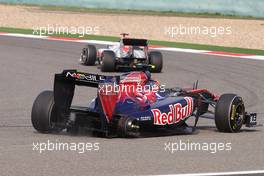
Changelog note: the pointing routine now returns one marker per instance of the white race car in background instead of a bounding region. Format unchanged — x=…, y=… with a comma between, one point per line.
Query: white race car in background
x=129, y=54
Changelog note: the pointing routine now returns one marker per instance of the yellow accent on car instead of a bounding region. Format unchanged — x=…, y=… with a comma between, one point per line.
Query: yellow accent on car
x=233, y=112
x=152, y=66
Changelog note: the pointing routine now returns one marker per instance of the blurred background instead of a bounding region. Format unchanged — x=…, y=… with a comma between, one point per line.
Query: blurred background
x=252, y=8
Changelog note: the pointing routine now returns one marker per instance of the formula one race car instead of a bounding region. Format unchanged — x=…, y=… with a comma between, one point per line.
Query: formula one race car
x=129, y=54
x=131, y=104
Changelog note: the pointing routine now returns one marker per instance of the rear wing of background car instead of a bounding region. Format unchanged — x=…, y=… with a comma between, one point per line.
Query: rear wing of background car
x=135, y=42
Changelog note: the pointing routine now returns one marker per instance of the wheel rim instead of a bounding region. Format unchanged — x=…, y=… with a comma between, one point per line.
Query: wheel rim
x=237, y=116
x=84, y=55
x=132, y=128
x=52, y=118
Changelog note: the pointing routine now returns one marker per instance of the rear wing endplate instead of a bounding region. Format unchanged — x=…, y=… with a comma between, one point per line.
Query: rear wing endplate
x=64, y=85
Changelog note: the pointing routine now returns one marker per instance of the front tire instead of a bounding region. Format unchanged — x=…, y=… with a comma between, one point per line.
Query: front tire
x=229, y=113
x=89, y=55
x=157, y=61
x=108, y=62
x=44, y=113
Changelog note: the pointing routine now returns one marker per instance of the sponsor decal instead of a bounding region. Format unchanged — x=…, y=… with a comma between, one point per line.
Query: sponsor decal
x=82, y=76
x=176, y=113
x=130, y=79
x=145, y=118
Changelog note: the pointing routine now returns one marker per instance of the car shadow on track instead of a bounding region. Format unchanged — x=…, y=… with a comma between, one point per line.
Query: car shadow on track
x=213, y=129
x=88, y=133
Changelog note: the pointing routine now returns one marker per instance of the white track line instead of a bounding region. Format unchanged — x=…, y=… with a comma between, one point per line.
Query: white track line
x=225, y=54
x=23, y=35
x=221, y=173
x=183, y=50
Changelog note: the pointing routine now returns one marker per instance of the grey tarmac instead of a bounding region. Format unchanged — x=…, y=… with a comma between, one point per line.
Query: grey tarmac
x=27, y=68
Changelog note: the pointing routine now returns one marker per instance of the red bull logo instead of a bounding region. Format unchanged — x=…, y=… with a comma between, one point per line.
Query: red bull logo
x=176, y=113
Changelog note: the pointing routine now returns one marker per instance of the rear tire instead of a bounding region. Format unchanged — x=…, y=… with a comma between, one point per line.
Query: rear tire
x=44, y=113
x=89, y=55
x=229, y=113
x=128, y=127
x=109, y=61
x=157, y=61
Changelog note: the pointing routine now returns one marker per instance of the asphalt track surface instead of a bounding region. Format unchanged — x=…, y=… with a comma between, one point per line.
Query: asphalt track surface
x=27, y=67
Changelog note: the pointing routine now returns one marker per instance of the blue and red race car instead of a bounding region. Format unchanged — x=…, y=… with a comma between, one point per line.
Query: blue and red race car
x=133, y=103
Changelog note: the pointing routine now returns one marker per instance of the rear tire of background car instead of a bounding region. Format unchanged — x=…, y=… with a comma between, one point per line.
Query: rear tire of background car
x=229, y=113
x=44, y=113
x=126, y=127
x=156, y=60
x=89, y=55
x=109, y=61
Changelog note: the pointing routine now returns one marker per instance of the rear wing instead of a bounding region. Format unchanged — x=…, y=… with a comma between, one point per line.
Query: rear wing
x=64, y=85
x=135, y=42
x=79, y=78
